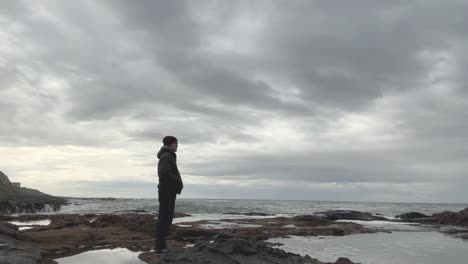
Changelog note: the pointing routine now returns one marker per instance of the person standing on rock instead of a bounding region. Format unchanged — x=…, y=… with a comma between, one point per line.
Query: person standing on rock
x=170, y=184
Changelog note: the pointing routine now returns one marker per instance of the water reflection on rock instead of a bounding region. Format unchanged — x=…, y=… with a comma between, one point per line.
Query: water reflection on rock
x=104, y=256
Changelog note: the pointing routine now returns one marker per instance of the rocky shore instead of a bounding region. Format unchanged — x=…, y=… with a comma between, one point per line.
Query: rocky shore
x=444, y=218
x=231, y=250
x=243, y=240
x=15, y=199
x=209, y=241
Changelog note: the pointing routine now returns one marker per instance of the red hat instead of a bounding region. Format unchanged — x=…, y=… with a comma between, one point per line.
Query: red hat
x=169, y=140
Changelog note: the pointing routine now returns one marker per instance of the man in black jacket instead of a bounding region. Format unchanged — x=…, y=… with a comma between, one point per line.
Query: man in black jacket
x=170, y=184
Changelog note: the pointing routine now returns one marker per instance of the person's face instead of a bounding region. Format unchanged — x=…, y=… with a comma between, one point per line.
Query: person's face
x=174, y=146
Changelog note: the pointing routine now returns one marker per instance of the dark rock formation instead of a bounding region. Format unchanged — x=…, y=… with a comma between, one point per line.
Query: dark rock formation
x=8, y=229
x=444, y=218
x=451, y=223
x=4, y=179
x=23, y=200
x=451, y=218
x=232, y=251
x=13, y=251
x=350, y=215
x=411, y=215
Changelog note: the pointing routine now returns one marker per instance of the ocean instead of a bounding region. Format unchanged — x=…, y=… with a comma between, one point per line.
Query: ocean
x=407, y=243
x=220, y=206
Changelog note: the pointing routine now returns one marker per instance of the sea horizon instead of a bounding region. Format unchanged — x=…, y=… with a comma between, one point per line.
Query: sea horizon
x=265, y=199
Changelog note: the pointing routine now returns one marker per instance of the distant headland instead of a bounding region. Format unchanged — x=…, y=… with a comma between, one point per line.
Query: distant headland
x=17, y=199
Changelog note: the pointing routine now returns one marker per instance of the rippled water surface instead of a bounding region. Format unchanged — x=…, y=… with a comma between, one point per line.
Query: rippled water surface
x=211, y=206
x=407, y=244
x=382, y=248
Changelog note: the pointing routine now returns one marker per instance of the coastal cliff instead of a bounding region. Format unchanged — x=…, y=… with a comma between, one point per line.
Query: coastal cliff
x=15, y=199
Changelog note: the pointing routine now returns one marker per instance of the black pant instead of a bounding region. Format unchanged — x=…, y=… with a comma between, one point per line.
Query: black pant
x=166, y=214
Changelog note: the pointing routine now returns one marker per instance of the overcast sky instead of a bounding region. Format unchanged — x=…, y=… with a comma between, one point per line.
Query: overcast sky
x=312, y=100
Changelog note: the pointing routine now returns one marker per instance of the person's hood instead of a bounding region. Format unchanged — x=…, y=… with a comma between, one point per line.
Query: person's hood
x=165, y=149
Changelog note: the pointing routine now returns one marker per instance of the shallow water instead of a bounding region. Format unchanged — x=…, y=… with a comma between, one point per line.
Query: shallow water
x=215, y=217
x=104, y=256
x=422, y=246
x=381, y=248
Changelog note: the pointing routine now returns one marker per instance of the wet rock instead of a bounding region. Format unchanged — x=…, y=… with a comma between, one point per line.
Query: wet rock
x=14, y=251
x=451, y=218
x=142, y=223
x=451, y=223
x=191, y=234
x=411, y=215
x=72, y=234
x=344, y=261
x=444, y=218
x=91, y=215
x=263, y=229
x=231, y=251
x=30, y=205
x=351, y=215
x=311, y=220
x=8, y=229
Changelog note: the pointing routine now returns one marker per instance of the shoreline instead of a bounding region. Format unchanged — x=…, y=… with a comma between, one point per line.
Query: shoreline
x=72, y=234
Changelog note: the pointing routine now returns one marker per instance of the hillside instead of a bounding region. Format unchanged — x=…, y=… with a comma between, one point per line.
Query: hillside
x=24, y=200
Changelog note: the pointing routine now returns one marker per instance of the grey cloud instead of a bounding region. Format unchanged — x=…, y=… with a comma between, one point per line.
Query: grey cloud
x=177, y=48
x=345, y=56
x=143, y=70
x=340, y=167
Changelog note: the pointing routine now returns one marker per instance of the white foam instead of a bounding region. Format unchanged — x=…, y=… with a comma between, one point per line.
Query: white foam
x=227, y=225
x=31, y=223
x=25, y=228
x=47, y=209
x=392, y=226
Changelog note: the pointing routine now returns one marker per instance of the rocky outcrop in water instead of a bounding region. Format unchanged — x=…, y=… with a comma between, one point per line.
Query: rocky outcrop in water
x=232, y=251
x=452, y=223
x=14, y=199
x=451, y=218
x=350, y=215
x=444, y=218
x=411, y=215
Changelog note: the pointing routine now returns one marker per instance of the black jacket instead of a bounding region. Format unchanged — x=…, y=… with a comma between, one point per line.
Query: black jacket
x=168, y=173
